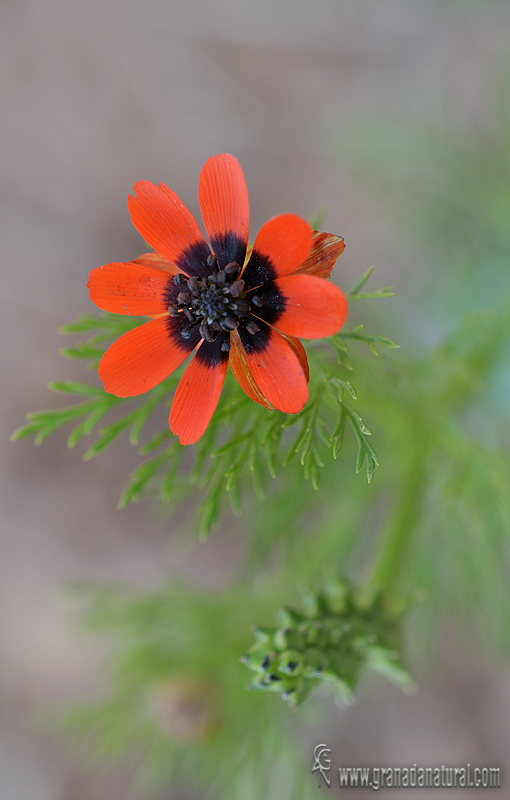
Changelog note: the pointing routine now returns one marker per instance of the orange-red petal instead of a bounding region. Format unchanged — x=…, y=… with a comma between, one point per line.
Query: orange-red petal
x=242, y=372
x=326, y=247
x=312, y=307
x=145, y=356
x=131, y=288
x=299, y=350
x=155, y=260
x=276, y=369
x=223, y=199
x=198, y=392
x=281, y=246
x=166, y=224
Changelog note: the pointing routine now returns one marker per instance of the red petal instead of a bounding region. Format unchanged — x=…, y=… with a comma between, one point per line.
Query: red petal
x=144, y=357
x=300, y=351
x=130, y=288
x=198, y=392
x=276, y=369
x=223, y=198
x=326, y=247
x=155, y=260
x=242, y=372
x=313, y=307
x=167, y=225
x=281, y=246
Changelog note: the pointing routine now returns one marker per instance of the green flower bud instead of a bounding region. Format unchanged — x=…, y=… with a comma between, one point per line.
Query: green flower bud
x=274, y=682
x=339, y=597
x=334, y=631
x=258, y=658
x=288, y=639
x=314, y=661
x=300, y=692
x=293, y=686
x=291, y=662
x=340, y=632
x=289, y=618
x=264, y=634
x=311, y=631
x=316, y=605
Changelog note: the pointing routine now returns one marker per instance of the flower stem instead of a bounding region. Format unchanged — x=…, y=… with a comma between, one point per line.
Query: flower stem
x=394, y=547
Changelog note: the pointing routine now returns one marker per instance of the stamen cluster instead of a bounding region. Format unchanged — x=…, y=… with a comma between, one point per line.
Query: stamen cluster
x=216, y=303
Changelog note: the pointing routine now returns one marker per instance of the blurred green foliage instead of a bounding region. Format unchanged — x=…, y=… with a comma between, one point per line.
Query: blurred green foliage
x=177, y=702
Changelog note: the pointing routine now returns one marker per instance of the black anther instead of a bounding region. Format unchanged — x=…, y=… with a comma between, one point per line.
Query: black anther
x=229, y=324
x=236, y=288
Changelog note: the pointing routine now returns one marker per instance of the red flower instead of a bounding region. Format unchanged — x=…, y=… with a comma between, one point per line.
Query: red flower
x=243, y=314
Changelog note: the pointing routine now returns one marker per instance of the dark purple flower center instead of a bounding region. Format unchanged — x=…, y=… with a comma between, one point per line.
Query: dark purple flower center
x=215, y=303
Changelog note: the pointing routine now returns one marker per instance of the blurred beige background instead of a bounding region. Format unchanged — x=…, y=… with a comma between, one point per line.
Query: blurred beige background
x=95, y=96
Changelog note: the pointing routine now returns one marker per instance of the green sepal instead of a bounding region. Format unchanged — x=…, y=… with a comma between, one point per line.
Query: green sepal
x=259, y=658
x=291, y=662
x=264, y=634
x=288, y=617
x=288, y=639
